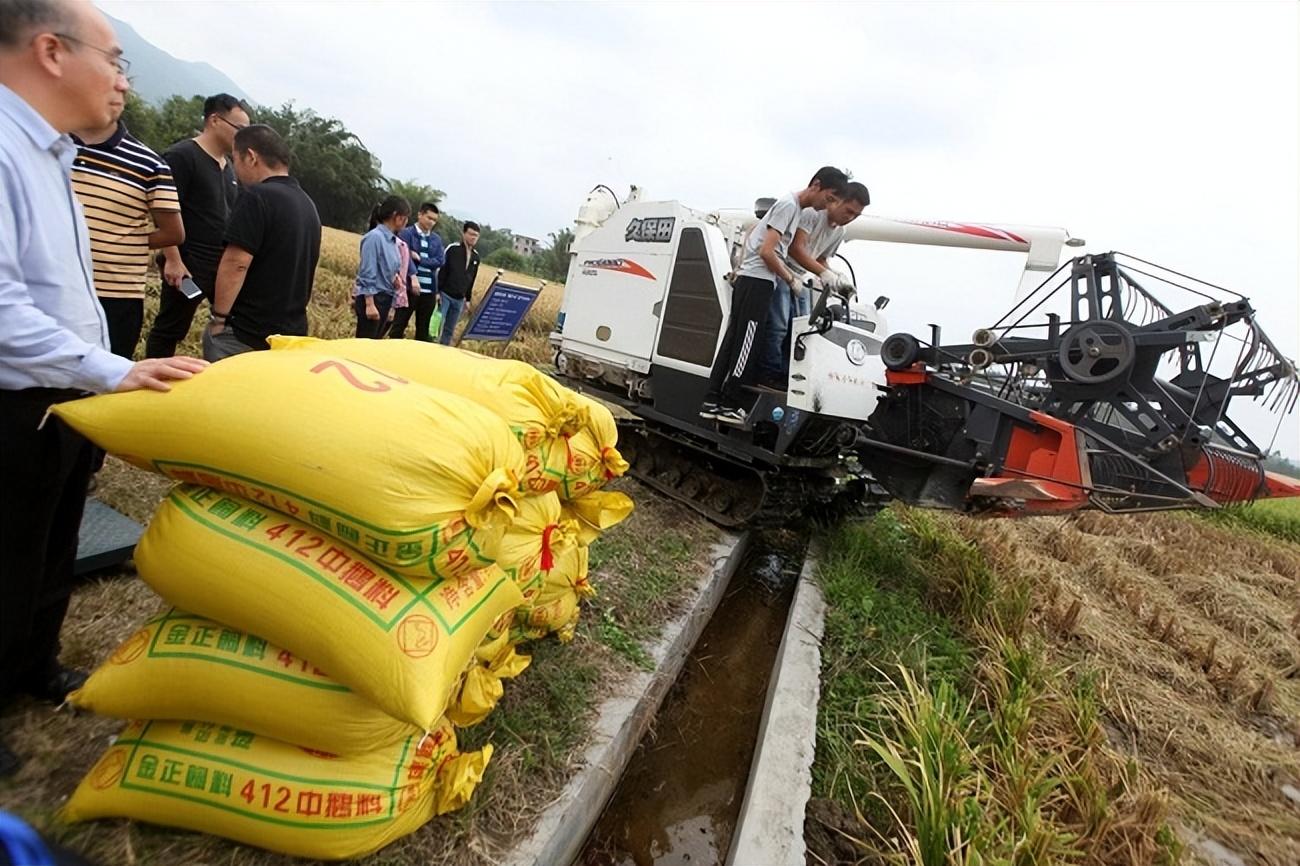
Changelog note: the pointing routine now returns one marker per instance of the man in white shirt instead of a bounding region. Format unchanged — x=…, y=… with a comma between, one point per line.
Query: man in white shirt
x=762, y=263
x=61, y=69
x=816, y=240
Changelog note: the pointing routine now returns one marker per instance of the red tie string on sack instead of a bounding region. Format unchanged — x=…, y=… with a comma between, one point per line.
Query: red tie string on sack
x=548, y=558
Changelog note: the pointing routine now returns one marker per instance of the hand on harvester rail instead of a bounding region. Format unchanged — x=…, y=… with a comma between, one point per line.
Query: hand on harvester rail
x=154, y=373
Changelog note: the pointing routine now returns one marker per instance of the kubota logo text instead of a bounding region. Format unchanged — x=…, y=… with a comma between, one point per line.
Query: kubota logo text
x=623, y=266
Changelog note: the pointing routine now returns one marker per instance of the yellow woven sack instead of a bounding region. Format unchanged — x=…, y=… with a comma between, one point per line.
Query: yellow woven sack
x=418, y=479
x=398, y=641
x=596, y=512
x=536, y=407
x=259, y=791
x=534, y=540
x=554, y=607
x=482, y=687
x=589, y=457
x=182, y=666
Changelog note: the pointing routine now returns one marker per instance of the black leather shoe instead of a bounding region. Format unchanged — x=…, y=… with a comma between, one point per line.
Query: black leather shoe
x=10, y=763
x=56, y=687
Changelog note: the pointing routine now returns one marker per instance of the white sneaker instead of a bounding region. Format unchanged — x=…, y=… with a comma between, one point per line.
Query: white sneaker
x=735, y=417
x=709, y=411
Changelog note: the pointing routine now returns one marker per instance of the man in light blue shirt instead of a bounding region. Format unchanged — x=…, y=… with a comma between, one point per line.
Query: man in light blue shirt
x=60, y=69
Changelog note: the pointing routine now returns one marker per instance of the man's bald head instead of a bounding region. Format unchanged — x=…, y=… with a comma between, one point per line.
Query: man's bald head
x=22, y=19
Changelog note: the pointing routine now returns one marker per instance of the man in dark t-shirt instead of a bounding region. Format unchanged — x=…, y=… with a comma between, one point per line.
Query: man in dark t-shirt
x=205, y=184
x=265, y=276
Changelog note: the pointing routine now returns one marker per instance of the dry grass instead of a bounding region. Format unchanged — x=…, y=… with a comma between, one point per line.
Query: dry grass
x=1191, y=632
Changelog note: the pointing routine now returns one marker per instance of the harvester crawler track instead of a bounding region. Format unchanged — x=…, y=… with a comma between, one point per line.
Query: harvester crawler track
x=728, y=492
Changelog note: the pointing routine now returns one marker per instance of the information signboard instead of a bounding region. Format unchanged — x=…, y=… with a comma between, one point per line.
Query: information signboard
x=501, y=312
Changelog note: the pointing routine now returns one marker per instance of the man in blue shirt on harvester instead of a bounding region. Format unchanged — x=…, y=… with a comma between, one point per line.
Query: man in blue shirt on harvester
x=61, y=69
x=427, y=255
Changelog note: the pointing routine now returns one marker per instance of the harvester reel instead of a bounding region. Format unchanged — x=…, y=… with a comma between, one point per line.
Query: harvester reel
x=1096, y=352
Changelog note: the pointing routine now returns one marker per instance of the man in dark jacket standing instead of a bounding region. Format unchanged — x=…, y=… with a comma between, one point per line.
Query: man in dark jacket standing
x=456, y=279
x=426, y=258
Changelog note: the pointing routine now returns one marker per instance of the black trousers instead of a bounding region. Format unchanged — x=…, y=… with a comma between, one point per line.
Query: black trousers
x=176, y=312
x=422, y=308
x=373, y=329
x=175, y=315
x=739, y=355
x=43, y=477
x=125, y=319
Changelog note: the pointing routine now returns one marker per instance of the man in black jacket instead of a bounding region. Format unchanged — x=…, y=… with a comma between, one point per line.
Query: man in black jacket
x=456, y=279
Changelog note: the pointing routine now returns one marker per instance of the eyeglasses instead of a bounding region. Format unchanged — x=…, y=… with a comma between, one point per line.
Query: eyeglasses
x=120, y=63
x=235, y=126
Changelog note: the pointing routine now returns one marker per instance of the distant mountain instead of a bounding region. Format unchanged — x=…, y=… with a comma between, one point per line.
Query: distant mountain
x=156, y=75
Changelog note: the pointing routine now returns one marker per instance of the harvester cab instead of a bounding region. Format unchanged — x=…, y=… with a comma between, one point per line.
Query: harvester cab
x=1110, y=399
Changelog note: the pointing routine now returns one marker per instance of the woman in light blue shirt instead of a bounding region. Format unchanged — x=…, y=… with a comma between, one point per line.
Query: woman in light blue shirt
x=378, y=279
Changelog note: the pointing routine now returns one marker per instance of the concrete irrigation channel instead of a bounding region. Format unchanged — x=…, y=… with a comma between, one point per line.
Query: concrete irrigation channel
x=707, y=759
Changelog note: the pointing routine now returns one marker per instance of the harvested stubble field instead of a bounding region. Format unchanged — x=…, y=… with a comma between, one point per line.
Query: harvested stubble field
x=640, y=569
x=1096, y=689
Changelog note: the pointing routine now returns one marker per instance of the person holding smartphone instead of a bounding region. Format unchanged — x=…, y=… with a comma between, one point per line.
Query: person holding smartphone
x=205, y=182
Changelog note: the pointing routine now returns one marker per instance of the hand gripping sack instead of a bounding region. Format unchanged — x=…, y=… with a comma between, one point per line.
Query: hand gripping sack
x=419, y=479
x=538, y=409
x=400, y=642
x=182, y=666
x=589, y=457
x=259, y=791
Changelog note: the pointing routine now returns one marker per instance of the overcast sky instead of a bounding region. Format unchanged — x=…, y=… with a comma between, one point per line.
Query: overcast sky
x=1164, y=129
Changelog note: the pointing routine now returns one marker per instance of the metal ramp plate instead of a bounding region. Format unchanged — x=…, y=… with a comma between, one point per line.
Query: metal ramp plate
x=107, y=538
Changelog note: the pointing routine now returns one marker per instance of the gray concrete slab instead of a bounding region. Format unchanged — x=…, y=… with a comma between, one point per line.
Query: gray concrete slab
x=769, y=831
x=106, y=538
x=622, y=721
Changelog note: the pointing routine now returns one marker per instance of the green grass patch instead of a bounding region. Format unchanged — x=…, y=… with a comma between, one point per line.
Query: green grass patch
x=1277, y=517
x=639, y=574
x=942, y=731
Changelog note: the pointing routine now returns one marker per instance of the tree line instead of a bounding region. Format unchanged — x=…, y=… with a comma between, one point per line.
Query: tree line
x=341, y=175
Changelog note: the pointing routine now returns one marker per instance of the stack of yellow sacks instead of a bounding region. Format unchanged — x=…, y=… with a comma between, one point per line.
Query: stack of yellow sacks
x=341, y=555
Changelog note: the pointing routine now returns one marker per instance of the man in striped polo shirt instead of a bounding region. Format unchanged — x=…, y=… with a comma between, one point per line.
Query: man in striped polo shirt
x=131, y=208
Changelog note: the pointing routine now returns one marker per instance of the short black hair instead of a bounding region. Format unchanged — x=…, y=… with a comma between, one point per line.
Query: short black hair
x=855, y=191
x=830, y=177
x=19, y=18
x=221, y=103
x=265, y=142
x=469, y=224
x=429, y=206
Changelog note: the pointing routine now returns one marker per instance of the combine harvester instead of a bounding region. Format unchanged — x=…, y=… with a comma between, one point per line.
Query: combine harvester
x=1106, y=386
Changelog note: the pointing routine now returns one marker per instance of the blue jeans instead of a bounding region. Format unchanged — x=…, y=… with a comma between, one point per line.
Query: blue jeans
x=776, y=341
x=451, y=308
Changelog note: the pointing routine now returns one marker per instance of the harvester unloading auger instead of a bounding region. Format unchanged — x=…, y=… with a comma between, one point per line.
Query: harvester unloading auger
x=1096, y=390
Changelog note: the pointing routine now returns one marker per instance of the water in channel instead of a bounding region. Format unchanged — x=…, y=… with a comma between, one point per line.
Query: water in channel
x=681, y=794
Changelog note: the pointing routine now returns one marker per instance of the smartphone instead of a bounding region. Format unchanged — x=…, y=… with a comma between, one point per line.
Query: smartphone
x=190, y=289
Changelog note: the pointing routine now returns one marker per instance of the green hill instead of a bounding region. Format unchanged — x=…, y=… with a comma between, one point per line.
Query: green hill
x=156, y=75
